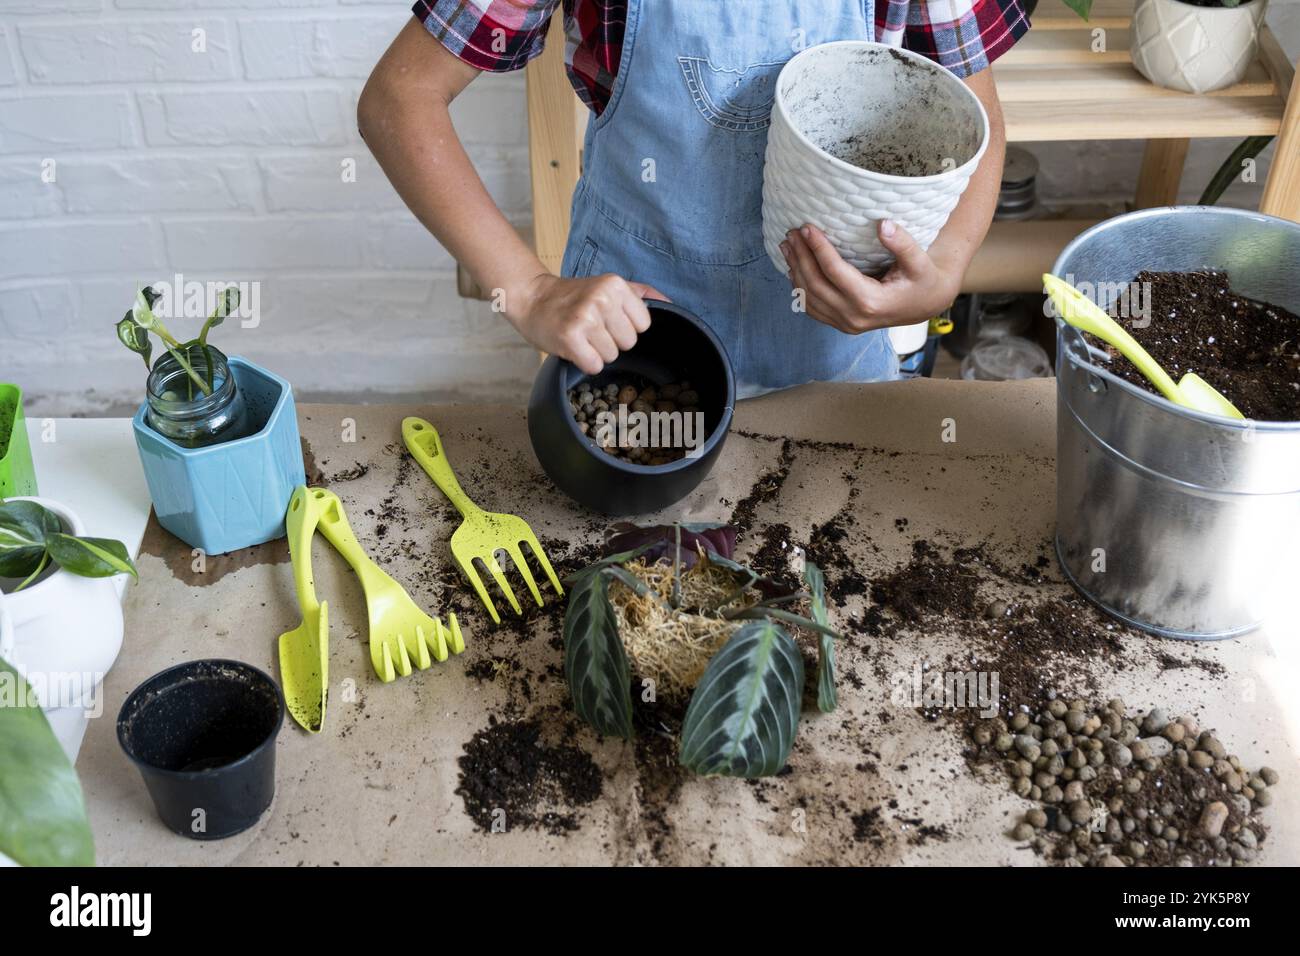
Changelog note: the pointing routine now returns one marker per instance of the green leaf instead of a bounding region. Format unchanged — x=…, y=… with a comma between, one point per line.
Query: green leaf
x=766, y=611
x=90, y=557
x=827, y=698
x=42, y=812
x=595, y=663
x=226, y=304
x=1223, y=177
x=24, y=528
x=135, y=337
x=743, y=715
x=142, y=312
x=1082, y=7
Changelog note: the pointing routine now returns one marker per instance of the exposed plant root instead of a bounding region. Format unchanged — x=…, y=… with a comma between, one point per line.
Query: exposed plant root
x=672, y=647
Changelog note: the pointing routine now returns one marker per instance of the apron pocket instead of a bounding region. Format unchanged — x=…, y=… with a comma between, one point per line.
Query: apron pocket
x=740, y=101
x=586, y=263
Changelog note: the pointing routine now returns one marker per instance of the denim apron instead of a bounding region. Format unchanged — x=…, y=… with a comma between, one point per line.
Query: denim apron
x=672, y=180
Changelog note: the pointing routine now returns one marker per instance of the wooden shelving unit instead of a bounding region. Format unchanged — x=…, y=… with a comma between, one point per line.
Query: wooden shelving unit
x=1054, y=86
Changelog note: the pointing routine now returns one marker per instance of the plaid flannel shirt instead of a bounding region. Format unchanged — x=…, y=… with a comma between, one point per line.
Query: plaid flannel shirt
x=501, y=35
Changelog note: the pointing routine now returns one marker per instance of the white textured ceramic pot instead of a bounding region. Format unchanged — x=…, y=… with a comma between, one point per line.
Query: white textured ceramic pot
x=1181, y=46
x=863, y=132
x=63, y=633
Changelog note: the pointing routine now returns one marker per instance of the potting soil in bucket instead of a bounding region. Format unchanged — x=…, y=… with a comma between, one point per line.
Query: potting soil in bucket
x=1247, y=349
x=203, y=736
x=1182, y=523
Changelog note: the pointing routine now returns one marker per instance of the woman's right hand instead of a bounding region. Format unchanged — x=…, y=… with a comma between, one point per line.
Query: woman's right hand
x=587, y=321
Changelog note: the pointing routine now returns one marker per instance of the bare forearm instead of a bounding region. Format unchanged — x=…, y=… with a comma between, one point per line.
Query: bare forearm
x=405, y=119
x=953, y=250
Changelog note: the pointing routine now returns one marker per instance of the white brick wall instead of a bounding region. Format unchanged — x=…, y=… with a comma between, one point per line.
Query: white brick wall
x=219, y=154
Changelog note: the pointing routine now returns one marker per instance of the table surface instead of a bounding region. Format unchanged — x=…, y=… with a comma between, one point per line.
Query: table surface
x=379, y=784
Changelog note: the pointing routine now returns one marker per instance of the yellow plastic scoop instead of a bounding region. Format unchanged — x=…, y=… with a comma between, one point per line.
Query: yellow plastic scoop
x=304, y=651
x=1191, y=391
x=402, y=636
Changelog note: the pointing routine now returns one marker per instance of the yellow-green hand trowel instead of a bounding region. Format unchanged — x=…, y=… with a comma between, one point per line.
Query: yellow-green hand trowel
x=304, y=651
x=1191, y=391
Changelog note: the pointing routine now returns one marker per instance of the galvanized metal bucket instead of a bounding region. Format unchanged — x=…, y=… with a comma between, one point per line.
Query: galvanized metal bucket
x=1183, y=524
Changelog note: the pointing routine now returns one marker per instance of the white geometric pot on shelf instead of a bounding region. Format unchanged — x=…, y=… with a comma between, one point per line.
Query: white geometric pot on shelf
x=1181, y=46
x=862, y=132
x=63, y=633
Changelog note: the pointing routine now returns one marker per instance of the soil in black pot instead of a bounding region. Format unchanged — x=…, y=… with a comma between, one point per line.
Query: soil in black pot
x=1247, y=349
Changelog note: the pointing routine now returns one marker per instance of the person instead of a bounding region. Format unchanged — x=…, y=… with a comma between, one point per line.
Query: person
x=669, y=204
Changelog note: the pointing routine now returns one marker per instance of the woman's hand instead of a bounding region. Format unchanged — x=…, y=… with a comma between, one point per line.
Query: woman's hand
x=914, y=289
x=587, y=321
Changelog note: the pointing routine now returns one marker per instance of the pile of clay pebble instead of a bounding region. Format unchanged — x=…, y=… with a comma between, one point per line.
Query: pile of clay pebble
x=587, y=401
x=1117, y=790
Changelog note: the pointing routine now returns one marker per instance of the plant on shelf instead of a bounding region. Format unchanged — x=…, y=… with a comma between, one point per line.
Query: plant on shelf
x=134, y=328
x=669, y=607
x=1084, y=7
x=1195, y=46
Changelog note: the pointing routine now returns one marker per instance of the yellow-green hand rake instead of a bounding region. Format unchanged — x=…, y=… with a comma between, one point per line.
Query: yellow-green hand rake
x=400, y=633
x=483, y=534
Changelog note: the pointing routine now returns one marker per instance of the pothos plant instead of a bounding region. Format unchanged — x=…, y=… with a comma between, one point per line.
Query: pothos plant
x=134, y=328
x=743, y=710
x=32, y=539
x=42, y=811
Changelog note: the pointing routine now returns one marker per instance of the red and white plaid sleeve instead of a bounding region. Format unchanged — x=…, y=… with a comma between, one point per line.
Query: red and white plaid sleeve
x=494, y=35
x=963, y=35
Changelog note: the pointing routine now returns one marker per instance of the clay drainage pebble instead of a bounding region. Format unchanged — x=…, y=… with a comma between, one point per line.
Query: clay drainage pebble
x=588, y=403
x=1113, y=789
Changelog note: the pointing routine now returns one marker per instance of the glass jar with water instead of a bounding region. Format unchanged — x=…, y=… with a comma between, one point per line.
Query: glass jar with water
x=182, y=411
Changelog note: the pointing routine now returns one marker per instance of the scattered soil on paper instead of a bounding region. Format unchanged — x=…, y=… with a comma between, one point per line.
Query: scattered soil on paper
x=511, y=778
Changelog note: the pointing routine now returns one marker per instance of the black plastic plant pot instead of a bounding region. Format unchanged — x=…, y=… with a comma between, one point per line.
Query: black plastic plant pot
x=203, y=736
x=676, y=347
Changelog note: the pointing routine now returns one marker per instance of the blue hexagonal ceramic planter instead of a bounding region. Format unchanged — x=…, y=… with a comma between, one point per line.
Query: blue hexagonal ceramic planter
x=231, y=495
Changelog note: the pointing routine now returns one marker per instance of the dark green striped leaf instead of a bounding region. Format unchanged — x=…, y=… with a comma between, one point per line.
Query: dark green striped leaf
x=827, y=698
x=595, y=663
x=743, y=715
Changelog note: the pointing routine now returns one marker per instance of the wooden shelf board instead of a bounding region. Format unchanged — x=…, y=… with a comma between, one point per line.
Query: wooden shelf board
x=1159, y=118
x=1055, y=87
x=1066, y=47
x=1114, y=81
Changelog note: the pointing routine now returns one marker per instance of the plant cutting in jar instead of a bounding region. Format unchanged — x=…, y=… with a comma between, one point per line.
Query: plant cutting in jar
x=670, y=607
x=32, y=540
x=134, y=328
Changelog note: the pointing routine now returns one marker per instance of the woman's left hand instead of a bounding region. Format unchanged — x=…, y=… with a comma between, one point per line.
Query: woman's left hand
x=914, y=289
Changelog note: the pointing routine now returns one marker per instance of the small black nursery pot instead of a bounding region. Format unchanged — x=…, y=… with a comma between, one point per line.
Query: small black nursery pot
x=677, y=347
x=203, y=736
